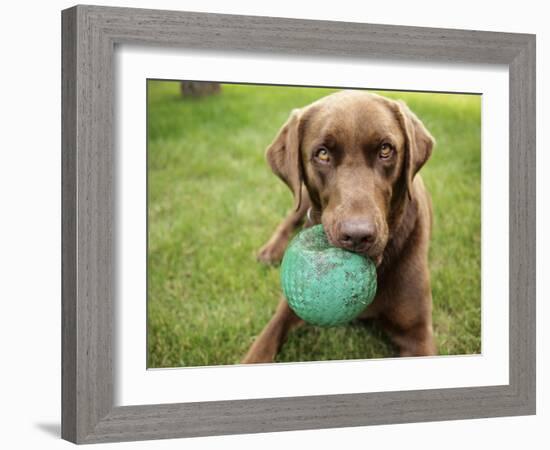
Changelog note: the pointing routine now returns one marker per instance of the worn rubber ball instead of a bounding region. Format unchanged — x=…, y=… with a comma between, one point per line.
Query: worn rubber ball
x=325, y=285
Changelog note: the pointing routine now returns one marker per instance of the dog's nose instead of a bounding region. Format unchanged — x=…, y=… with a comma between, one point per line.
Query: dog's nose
x=357, y=234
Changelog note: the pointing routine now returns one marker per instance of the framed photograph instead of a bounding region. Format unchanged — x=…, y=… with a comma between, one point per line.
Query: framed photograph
x=278, y=224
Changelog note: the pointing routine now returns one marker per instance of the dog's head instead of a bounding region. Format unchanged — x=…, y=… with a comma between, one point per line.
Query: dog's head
x=357, y=154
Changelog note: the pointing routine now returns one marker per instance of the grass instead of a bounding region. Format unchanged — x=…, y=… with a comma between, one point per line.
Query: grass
x=212, y=202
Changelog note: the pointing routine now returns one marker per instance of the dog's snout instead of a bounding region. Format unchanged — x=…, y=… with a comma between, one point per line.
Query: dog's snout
x=357, y=234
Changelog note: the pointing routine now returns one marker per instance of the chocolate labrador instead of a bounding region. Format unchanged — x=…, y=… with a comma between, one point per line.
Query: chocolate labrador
x=351, y=159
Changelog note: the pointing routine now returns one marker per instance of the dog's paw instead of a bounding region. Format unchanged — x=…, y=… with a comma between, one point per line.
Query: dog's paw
x=258, y=357
x=270, y=254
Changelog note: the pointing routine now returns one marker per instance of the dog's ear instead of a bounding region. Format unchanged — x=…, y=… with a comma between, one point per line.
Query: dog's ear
x=419, y=143
x=283, y=155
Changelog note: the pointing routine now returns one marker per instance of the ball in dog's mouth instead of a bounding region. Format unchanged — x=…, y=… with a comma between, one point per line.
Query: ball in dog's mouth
x=326, y=285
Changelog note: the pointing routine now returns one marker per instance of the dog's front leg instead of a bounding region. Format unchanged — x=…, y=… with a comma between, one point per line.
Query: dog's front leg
x=408, y=321
x=272, y=252
x=416, y=340
x=270, y=340
x=404, y=300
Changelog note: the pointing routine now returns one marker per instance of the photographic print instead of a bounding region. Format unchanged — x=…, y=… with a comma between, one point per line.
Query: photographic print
x=294, y=224
x=297, y=215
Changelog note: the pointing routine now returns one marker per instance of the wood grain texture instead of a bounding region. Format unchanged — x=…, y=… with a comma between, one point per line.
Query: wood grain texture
x=68, y=225
x=88, y=208
x=522, y=224
x=89, y=37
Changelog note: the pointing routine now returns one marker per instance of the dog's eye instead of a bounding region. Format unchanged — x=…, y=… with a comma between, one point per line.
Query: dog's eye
x=386, y=151
x=322, y=155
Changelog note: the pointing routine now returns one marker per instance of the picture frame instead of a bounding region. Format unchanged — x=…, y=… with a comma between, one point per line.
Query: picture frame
x=89, y=37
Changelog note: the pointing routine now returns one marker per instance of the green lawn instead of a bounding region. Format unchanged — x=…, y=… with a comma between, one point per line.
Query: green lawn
x=213, y=201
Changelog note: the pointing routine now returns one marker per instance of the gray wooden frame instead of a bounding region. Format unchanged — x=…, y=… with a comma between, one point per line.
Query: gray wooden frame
x=90, y=34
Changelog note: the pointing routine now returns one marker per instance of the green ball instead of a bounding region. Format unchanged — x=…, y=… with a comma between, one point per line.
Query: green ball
x=325, y=285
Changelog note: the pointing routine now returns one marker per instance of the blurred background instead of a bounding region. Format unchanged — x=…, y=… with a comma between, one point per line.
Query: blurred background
x=213, y=201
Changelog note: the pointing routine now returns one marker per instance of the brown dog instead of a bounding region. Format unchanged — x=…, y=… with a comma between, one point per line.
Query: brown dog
x=351, y=160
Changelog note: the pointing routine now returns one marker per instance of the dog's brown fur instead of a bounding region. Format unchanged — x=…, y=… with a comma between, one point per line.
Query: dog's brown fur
x=359, y=185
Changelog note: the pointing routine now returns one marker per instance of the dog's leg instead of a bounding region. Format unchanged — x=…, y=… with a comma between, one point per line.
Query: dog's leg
x=406, y=314
x=415, y=340
x=272, y=252
x=268, y=343
x=412, y=333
